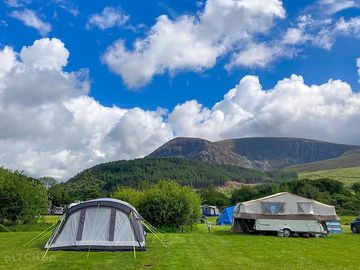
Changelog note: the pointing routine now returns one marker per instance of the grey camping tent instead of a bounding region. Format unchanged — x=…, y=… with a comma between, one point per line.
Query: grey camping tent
x=101, y=224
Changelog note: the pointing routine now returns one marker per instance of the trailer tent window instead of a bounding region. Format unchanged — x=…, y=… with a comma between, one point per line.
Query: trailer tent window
x=273, y=207
x=305, y=208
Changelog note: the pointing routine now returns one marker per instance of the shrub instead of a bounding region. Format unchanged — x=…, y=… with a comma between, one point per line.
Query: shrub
x=356, y=187
x=212, y=197
x=22, y=199
x=168, y=204
x=129, y=195
x=245, y=193
x=165, y=204
x=58, y=195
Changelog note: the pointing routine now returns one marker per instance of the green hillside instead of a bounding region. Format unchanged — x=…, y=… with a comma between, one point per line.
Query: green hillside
x=347, y=160
x=100, y=180
x=346, y=175
x=345, y=168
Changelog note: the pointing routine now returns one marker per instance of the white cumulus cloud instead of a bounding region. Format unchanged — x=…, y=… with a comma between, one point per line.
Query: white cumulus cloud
x=30, y=18
x=241, y=31
x=329, y=112
x=349, y=27
x=192, y=42
x=334, y=6
x=45, y=53
x=294, y=36
x=259, y=55
x=321, y=32
x=8, y=60
x=50, y=126
x=108, y=18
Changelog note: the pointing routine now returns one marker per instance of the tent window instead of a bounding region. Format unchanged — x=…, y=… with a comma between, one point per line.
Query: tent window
x=81, y=225
x=123, y=229
x=305, y=208
x=97, y=223
x=112, y=225
x=69, y=232
x=273, y=208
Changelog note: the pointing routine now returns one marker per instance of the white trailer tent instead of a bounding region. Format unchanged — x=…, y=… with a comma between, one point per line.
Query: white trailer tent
x=101, y=224
x=285, y=207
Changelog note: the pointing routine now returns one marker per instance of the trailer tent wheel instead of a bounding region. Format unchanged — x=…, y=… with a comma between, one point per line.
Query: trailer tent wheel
x=286, y=233
x=354, y=230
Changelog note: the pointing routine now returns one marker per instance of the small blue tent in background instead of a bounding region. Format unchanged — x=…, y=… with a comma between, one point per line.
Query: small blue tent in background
x=226, y=216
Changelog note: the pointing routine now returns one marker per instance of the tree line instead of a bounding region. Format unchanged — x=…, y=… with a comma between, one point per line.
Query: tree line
x=22, y=199
x=164, y=203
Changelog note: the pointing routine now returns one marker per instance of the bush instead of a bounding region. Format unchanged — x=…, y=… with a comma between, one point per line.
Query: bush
x=212, y=197
x=243, y=194
x=168, y=204
x=165, y=204
x=356, y=187
x=22, y=199
x=129, y=195
x=59, y=196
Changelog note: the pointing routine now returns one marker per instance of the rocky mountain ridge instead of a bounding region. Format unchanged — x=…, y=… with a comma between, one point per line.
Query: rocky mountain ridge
x=264, y=153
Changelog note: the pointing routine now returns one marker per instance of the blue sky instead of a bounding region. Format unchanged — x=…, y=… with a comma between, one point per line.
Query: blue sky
x=86, y=46
x=83, y=83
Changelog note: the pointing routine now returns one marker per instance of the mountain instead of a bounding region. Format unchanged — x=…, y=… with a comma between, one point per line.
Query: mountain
x=200, y=163
x=102, y=179
x=313, y=159
x=201, y=150
x=280, y=152
x=265, y=153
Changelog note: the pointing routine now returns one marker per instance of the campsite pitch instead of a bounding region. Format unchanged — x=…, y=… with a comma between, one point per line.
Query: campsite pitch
x=192, y=250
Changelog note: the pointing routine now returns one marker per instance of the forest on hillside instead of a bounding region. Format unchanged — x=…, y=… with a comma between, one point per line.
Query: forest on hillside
x=104, y=178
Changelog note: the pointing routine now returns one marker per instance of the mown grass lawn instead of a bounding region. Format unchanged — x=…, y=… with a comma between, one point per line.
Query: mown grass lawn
x=194, y=250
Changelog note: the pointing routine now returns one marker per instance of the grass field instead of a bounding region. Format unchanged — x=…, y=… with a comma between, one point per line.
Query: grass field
x=193, y=250
x=346, y=175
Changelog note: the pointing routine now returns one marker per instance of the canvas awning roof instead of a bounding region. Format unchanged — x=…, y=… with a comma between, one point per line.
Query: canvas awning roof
x=285, y=205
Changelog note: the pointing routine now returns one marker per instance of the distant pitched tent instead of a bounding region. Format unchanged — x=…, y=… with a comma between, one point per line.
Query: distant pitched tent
x=226, y=216
x=284, y=206
x=101, y=224
x=209, y=210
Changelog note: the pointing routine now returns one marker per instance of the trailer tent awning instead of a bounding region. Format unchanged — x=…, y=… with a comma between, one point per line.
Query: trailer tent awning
x=285, y=205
